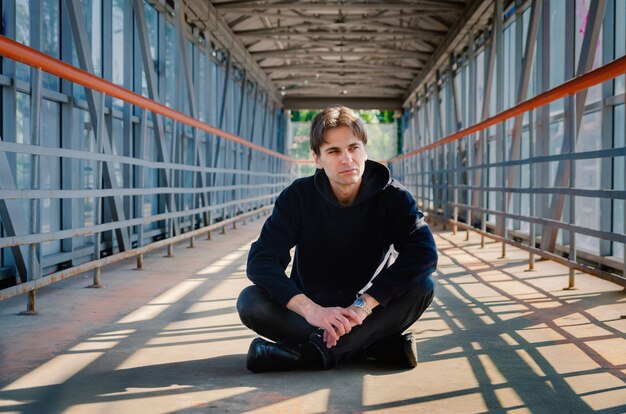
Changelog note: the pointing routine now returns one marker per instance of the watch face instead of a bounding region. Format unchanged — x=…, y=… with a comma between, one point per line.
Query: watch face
x=359, y=302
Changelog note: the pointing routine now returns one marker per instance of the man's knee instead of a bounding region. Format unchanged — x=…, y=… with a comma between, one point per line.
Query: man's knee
x=421, y=296
x=428, y=287
x=249, y=304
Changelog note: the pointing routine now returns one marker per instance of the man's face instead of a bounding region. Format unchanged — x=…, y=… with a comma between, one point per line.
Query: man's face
x=342, y=156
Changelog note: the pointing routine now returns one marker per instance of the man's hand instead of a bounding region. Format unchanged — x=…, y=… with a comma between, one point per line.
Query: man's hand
x=358, y=316
x=335, y=321
x=355, y=316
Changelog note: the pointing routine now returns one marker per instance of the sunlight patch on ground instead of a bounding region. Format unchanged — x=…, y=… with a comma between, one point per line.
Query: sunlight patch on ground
x=162, y=302
x=211, y=305
x=576, y=360
x=386, y=389
x=56, y=371
x=508, y=398
x=225, y=261
x=613, y=350
x=161, y=404
x=312, y=403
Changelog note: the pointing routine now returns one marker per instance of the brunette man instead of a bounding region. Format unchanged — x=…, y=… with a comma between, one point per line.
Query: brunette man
x=344, y=297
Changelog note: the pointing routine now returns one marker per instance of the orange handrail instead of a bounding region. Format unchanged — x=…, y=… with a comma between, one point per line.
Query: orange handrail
x=599, y=75
x=24, y=54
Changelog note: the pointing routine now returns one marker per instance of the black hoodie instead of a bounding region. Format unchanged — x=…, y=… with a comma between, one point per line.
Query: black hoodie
x=338, y=249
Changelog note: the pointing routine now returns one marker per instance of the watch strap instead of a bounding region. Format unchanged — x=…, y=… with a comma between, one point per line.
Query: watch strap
x=360, y=302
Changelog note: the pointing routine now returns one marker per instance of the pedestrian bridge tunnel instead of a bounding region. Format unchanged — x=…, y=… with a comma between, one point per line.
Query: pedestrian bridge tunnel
x=131, y=127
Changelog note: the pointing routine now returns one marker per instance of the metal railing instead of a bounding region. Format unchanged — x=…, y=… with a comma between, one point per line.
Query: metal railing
x=202, y=179
x=452, y=189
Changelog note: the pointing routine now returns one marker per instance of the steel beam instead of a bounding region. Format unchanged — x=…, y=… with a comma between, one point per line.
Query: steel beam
x=472, y=116
x=455, y=148
x=83, y=50
x=350, y=6
x=348, y=20
x=11, y=214
x=157, y=121
x=70, y=139
x=391, y=83
x=13, y=218
x=382, y=53
x=337, y=78
x=287, y=32
x=522, y=91
x=388, y=104
x=35, y=204
x=343, y=70
x=217, y=28
x=501, y=227
x=473, y=13
x=337, y=90
x=251, y=134
x=606, y=168
x=585, y=62
x=542, y=146
x=198, y=156
x=315, y=27
x=345, y=42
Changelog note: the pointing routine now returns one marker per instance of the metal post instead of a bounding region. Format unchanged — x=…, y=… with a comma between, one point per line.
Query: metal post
x=570, y=118
x=484, y=181
x=171, y=226
x=441, y=160
x=172, y=223
x=531, y=195
x=500, y=130
x=97, y=185
x=140, y=181
x=455, y=184
x=35, y=125
x=429, y=182
x=469, y=140
x=418, y=158
x=455, y=154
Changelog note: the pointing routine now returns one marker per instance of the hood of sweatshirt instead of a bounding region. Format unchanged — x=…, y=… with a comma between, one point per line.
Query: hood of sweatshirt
x=375, y=178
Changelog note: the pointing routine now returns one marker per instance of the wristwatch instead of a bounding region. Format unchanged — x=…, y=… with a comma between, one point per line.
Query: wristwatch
x=361, y=303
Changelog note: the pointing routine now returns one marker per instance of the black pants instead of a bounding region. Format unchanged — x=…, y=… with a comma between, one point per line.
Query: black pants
x=279, y=324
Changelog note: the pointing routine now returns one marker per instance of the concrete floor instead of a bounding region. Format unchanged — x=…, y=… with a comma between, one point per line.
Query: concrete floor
x=167, y=339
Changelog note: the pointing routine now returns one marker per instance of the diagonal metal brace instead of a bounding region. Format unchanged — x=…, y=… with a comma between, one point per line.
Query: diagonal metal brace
x=159, y=129
x=83, y=50
x=13, y=219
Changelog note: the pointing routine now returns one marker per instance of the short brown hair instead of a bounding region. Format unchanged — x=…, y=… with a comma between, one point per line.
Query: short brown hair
x=335, y=117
